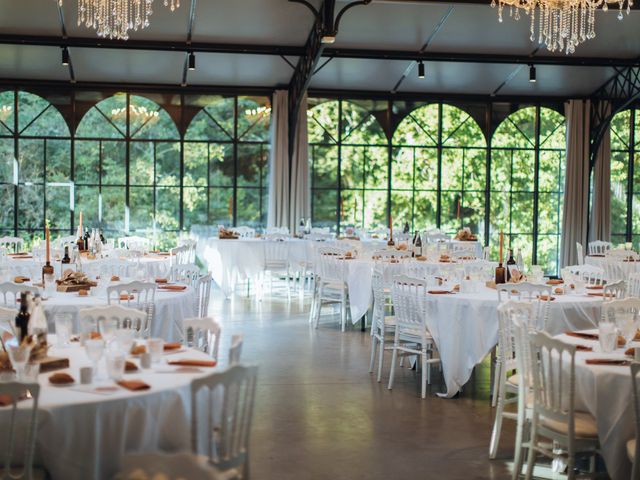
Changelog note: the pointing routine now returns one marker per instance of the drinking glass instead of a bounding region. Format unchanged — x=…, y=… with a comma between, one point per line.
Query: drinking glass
x=115, y=365
x=108, y=327
x=19, y=356
x=62, y=323
x=49, y=283
x=626, y=324
x=94, y=350
x=156, y=348
x=31, y=372
x=608, y=336
x=125, y=338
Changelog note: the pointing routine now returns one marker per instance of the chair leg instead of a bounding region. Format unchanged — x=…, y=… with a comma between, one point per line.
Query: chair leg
x=394, y=354
x=497, y=423
x=343, y=311
x=531, y=457
x=380, y=356
x=318, y=306
x=497, y=380
x=374, y=342
x=425, y=370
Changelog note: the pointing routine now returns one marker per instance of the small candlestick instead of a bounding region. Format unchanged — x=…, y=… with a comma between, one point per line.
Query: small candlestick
x=390, y=243
x=47, y=269
x=458, y=209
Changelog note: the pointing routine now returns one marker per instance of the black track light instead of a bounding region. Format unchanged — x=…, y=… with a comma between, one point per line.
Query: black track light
x=192, y=61
x=532, y=73
x=420, y=69
x=65, y=56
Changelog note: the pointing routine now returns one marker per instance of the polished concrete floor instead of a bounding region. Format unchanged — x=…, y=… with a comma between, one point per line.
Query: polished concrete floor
x=321, y=415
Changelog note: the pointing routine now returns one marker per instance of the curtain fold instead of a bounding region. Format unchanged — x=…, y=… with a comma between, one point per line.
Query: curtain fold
x=289, y=195
x=600, y=224
x=575, y=215
x=278, y=212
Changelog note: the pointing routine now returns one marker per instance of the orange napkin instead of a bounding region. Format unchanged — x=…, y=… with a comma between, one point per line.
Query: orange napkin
x=559, y=281
x=608, y=361
x=185, y=362
x=583, y=348
x=439, y=292
x=544, y=298
x=583, y=335
x=599, y=294
x=6, y=400
x=173, y=288
x=161, y=280
x=124, y=296
x=130, y=366
x=595, y=287
x=134, y=385
x=172, y=346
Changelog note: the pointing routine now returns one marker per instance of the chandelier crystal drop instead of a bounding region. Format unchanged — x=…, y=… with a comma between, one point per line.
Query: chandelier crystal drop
x=561, y=24
x=114, y=19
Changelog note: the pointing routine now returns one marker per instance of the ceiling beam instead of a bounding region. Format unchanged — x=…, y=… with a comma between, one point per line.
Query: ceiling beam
x=294, y=51
x=485, y=3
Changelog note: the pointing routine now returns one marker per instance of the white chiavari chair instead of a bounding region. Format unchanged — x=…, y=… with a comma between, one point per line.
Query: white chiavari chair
x=612, y=269
x=134, y=242
x=235, y=350
x=203, y=294
x=332, y=286
x=19, y=431
x=539, y=295
x=554, y=415
x=598, y=247
x=633, y=285
x=230, y=423
x=580, y=253
x=60, y=242
x=276, y=260
x=317, y=253
x=167, y=466
x=11, y=292
x=381, y=324
x=187, y=274
x=589, y=274
x=615, y=290
x=633, y=445
x=412, y=334
x=138, y=295
x=203, y=334
x=7, y=320
x=192, y=244
x=11, y=244
x=180, y=255
x=125, y=318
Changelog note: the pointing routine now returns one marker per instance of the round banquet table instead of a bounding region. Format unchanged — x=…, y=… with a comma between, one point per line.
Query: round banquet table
x=465, y=327
x=625, y=268
x=605, y=391
x=154, y=265
x=171, y=307
x=83, y=434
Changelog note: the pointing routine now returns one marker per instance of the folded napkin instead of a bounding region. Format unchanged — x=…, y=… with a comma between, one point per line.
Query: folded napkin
x=134, y=385
x=583, y=335
x=124, y=296
x=594, y=287
x=439, y=292
x=599, y=294
x=129, y=366
x=6, y=400
x=608, y=361
x=19, y=254
x=173, y=288
x=546, y=298
x=583, y=348
x=630, y=352
x=161, y=280
x=22, y=257
x=172, y=346
x=186, y=362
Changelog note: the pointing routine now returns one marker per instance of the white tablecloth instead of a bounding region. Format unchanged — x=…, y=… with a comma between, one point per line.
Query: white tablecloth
x=465, y=327
x=171, y=307
x=625, y=268
x=82, y=435
x=606, y=392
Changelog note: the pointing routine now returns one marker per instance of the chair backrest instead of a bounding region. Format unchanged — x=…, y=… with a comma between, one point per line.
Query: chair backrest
x=589, y=274
x=621, y=254
x=612, y=308
x=129, y=318
x=203, y=294
x=60, y=242
x=11, y=292
x=635, y=369
x=203, y=334
x=553, y=372
x=332, y=268
x=633, y=285
x=598, y=247
x=12, y=244
x=410, y=302
x=613, y=269
x=140, y=295
x=180, y=255
x=389, y=254
x=580, y=253
x=229, y=440
x=539, y=295
x=379, y=300
x=235, y=350
x=13, y=392
x=276, y=252
x=192, y=245
x=134, y=242
x=615, y=289
x=507, y=348
x=187, y=274
x=7, y=317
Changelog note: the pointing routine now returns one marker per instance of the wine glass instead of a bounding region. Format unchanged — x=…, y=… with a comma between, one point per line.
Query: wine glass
x=626, y=325
x=94, y=350
x=108, y=327
x=19, y=356
x=125, y=337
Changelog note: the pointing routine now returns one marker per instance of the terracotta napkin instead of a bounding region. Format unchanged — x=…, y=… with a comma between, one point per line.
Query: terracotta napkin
x=161, y=280
x=173, y=288
x=583, y=348
x=545, y=298
x=6, y=400
x=124, y=296
x=583, y=335
x=186, y=362
x=168, y=346
x=129, y=366
x=608, y=361
x=594, y=287
x=134, y=385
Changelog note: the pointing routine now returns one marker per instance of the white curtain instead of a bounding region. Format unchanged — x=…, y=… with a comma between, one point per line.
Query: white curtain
x=576, y=190
x=289, y=195
x=600, y=224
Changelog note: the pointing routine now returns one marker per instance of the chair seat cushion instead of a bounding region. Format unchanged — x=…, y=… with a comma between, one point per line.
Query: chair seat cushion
x=585, y=425
x=514, y=380
x=631, y=449
x=390, y=321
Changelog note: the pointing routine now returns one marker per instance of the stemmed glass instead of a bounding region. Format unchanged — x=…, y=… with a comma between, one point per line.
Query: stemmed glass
x=626, y=325
x=95, y=350
x=108, y=327
x=19, y=357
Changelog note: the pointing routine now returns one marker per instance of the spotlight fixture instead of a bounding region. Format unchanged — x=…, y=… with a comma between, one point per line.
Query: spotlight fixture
x=532, y=73
x=420, y=69
x=192, y=61
x=328, y=39
x=65, y=56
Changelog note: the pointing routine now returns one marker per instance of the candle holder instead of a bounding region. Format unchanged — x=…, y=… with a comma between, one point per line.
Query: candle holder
x=47, y=269
x=390, y=243
x=501, y=274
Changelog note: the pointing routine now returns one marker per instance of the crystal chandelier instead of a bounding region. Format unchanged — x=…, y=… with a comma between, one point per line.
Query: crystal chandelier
x=141, y=114
x=562, y=24
x=115, y=18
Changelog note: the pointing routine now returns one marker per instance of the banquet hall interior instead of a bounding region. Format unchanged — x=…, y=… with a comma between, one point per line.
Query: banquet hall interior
x=319, y=239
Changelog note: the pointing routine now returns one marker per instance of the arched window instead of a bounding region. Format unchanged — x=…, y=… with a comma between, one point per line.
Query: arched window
x=527, y=184
x=439, y=170
x=226, y=158
x=625, y=177
x=127, y=167
x=35, y=166
x=349, y=161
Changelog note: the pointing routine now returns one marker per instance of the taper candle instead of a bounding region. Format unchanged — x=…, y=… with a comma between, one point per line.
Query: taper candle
x=48, y=244
x=80, y=222
x=501, y=242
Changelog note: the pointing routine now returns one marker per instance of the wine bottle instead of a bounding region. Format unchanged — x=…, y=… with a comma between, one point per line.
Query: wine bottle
x=80, y=241
x=406, y=228
x=511, y=263
x=500, y=274
x=102, y=239
x=86, y=239
x=23, y=317
x=66, y=259
x=413, y=244
x=418, y=246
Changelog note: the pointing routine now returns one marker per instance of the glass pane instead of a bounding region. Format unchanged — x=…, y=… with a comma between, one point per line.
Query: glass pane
x=59, y=207
x=87, y=202
x=375, y=211
x=196, y=164
x=107, y=119
x=322, y=121
x=58, y=160
x=459, y=129
x=167, y=208
x=549, y=253
x=220, y=206
x=253, y=161
x=324, y=208
x=472, y=212
x=522, y=213
x=221, y=165
x=552, y=129
x=250, y=208
x=113, y=208
x=7, y=160
x=140, y=208
x=254, y=118
x=168, y=163
x=6, y=208
x=620, y=125
x=87, y=162
x=38, y=118
x=324, y=166
x=359, y=127
x=426, y=168
x=114, y=156
x=420, y=127
x=517, y=130
x=149, y=120
x=351, y=208
x=619, y=175
x=449, y=220
x=195, y=207
x=31, y=160
x=425, y=210
x=214, y=122
x=401, y=209
x=141, y=163
x=549, y=213
x=7, y=113
x=452, y=165
x=402, y=168
x=475, y=169
x=31, y=207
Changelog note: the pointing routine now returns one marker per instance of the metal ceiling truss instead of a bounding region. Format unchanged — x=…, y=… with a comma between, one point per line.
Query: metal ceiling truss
x=619, y=93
